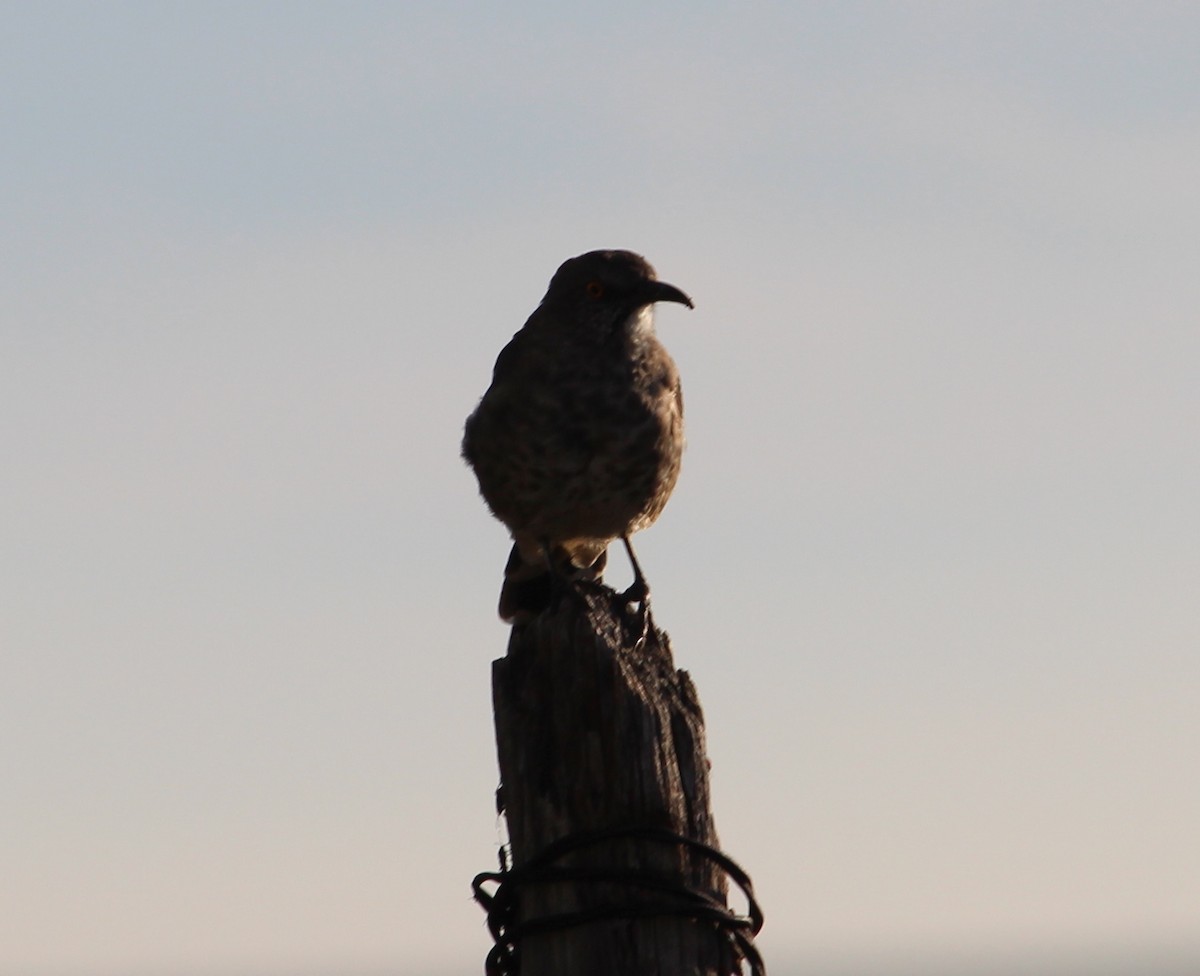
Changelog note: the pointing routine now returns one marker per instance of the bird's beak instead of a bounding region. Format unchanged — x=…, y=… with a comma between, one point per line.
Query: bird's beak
x=660, y=291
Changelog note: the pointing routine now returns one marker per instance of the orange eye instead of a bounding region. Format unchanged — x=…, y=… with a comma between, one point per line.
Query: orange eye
x=594, y=289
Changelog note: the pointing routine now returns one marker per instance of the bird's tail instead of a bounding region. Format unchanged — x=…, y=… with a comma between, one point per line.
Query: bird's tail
x=529, y=584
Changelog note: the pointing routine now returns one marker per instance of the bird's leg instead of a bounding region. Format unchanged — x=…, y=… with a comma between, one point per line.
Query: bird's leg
x=639, y=590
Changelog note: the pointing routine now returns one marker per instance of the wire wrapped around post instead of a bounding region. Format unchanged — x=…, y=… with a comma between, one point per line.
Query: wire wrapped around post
x=669, y=897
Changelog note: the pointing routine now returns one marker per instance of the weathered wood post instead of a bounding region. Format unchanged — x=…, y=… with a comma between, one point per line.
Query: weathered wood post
x=604, y=785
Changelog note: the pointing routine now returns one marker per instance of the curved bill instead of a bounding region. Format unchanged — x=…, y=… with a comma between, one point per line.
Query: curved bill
x=660, y=291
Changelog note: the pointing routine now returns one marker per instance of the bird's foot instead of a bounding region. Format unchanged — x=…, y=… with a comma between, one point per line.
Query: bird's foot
x=639, y=594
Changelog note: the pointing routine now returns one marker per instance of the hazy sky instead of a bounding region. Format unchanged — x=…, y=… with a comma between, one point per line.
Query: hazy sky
x=933, y=561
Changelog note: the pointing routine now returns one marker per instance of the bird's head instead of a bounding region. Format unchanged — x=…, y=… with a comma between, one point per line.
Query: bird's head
x=603, y=289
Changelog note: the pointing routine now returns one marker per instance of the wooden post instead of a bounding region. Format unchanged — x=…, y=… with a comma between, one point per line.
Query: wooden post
x=596, y=730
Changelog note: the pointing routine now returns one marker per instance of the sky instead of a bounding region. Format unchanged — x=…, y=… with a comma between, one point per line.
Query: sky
x=933, y=561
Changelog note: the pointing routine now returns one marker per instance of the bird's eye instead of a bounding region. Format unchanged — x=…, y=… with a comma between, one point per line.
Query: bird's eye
x=594, y=289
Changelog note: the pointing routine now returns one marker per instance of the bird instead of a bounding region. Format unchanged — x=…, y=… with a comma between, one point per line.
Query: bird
x=578, y=440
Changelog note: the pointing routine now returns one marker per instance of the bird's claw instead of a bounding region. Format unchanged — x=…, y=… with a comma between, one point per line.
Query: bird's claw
x=639, y=593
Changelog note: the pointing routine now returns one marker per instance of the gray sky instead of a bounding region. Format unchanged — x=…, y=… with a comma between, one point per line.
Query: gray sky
x=933, y=562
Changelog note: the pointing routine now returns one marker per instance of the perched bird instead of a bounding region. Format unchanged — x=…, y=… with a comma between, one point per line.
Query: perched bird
x=578, y=440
